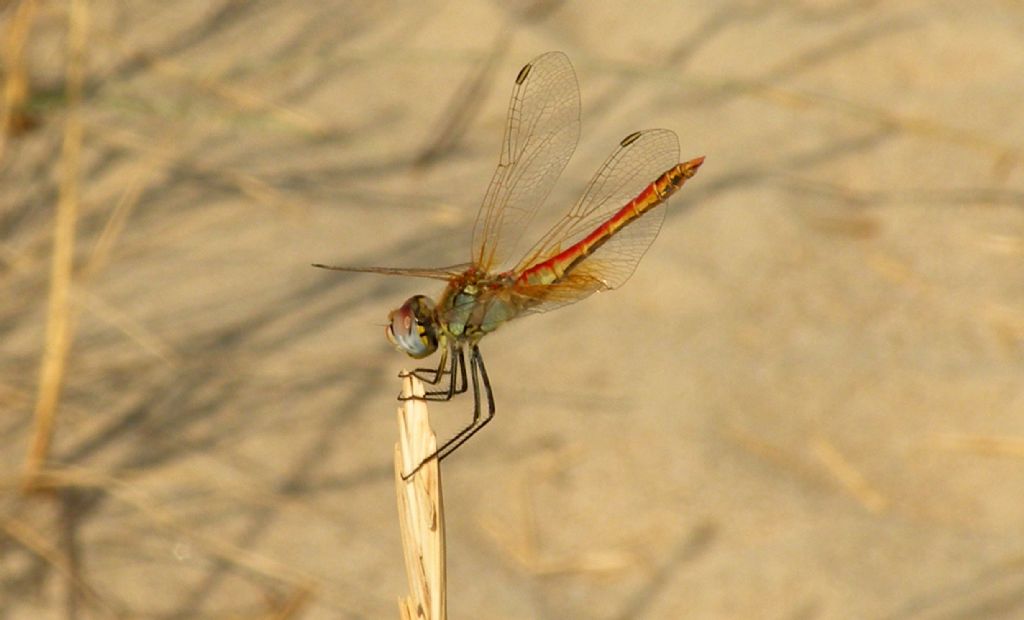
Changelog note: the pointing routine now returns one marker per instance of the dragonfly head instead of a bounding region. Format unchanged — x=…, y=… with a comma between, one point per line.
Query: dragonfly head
x=412, y=328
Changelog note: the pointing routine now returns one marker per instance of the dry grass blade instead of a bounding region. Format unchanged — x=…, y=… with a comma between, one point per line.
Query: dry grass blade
x=15, y=88
x=989, y=445
x=41, y=545
x=59, y=318
x=420, y=511
x=136, y=184
x=241, y=98
x=124, y=491
x=851, y=478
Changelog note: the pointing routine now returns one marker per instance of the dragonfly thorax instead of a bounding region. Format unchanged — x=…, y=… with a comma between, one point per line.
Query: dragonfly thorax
x=475, y=304
x=413, y=327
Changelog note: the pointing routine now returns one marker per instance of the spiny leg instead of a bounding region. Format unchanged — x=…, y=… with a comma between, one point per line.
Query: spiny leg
x=477, y=371
x=477, y=364
x=433, y=376
x=424, y=374
x=458, y=360
x=457, y=371
x=462, y=371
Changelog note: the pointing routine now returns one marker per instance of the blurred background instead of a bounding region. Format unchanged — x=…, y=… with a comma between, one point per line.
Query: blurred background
x=807, y=402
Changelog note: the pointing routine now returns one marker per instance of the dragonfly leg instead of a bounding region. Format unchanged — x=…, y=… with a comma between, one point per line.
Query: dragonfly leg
x=479, y=370
x=479, y=373
x=460, y=389
x=430, y=375
x=455, y=373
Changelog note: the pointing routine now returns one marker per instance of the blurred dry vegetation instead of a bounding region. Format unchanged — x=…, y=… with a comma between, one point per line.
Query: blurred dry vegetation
x=806, y=404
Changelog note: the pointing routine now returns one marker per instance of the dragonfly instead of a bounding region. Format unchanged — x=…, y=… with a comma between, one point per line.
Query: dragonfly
x=594, y=247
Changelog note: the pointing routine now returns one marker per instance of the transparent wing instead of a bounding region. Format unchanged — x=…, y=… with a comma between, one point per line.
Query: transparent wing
x=438, y=273
x=540, y=135
x=640, y=159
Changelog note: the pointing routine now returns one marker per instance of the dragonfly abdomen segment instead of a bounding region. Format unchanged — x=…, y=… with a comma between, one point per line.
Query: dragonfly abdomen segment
x=559, y=266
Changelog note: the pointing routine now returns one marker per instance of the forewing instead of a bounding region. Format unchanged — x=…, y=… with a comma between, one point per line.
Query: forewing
x=628, y=171
x=541, y=132
x=438, y=273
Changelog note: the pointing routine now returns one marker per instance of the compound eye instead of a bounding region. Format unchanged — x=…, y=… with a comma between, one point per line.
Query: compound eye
x=411, y=327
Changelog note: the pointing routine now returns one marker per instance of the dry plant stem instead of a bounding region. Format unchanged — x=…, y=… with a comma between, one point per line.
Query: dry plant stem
x=420, y=510
x=59, y=316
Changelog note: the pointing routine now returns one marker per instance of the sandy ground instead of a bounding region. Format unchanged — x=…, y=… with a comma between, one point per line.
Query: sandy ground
x=806, y=404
